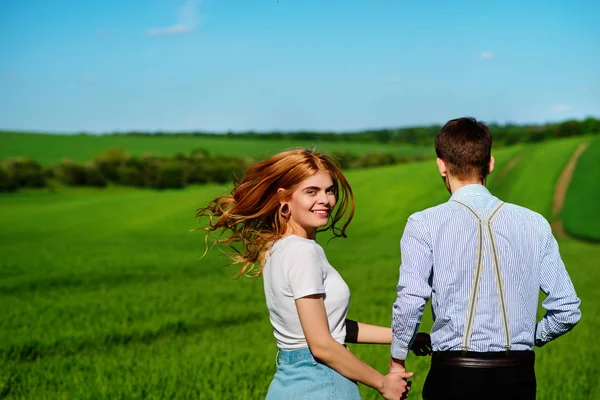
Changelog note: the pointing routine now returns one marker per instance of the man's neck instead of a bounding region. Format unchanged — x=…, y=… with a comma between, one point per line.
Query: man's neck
x=456, y=184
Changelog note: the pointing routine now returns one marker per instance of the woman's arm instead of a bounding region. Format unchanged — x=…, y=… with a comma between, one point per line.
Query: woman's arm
x=358, y=332
x=313, y=318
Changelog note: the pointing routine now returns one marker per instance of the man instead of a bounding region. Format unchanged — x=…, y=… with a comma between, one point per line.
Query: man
x=482, y=262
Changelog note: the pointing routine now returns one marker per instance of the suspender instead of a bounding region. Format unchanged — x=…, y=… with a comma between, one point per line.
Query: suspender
x=483, y=226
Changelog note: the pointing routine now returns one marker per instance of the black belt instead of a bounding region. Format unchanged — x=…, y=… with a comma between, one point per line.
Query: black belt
x=483, y=360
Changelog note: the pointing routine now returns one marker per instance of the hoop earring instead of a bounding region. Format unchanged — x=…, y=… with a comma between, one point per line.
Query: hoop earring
x=285, y=211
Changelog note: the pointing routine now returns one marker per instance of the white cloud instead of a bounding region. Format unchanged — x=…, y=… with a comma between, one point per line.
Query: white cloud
x=188, y=20
x=560, y=107
x=487, y=55
x=170, y=30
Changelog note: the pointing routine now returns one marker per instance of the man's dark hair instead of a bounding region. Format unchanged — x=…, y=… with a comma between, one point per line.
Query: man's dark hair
x=465, y=145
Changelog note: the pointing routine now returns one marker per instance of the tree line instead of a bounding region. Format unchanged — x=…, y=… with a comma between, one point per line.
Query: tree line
x=506, y=134
x=114, y=166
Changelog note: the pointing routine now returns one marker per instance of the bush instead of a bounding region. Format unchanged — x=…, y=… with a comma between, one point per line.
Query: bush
x=569, y=128
x=75, y=174
x=179, y=156
x=590, y=126
x=169, y=175
x=223, y=169
x=199, y=153
x=94, y=176
x=130, y=175
x=162, y=172
x=373, y=159
x=148, y=166
x=194, y=171
x=7, y=181
x=70, y=172
x=25, y=172
x=344, y=159
x=110, y=161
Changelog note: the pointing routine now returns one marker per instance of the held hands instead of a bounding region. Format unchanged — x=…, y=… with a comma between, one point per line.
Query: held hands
x=397, y=369
x=395, y=386
x=422, y=344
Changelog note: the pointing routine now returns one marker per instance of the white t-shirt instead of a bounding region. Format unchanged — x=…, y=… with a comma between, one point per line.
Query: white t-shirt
x=295, y=268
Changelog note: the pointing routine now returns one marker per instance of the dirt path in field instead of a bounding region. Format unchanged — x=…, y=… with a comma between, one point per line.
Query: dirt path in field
x=511, y=164
x=560, y=191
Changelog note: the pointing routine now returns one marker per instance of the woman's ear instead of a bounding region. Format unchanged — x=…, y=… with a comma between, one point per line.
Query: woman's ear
x=284, y=207
x=279, y=191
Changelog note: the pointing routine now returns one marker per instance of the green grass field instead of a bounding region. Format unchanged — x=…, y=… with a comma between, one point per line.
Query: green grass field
x=104, y=296
x=579, y=213
x=47, y=149
x=531, y=182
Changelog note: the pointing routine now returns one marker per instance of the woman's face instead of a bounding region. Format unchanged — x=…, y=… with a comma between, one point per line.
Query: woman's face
x=311, y=205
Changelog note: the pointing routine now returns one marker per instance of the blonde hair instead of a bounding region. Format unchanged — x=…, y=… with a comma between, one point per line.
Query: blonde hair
x=251, y=212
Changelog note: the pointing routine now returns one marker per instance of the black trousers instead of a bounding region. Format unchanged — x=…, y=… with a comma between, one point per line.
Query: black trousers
x=457, y=382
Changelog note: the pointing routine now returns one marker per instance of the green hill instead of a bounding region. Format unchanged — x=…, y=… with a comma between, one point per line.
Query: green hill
x=104, y=296
x=47, y=149
x=579, y=214
x=531, y=182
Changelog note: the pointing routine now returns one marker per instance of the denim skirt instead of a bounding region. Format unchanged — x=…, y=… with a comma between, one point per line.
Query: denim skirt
x=300, y=376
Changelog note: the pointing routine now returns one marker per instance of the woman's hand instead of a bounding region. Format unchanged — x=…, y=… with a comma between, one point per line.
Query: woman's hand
x=422, y=344
x=395, y=385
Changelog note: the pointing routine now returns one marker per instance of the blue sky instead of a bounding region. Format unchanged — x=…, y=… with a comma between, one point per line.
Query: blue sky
x=219, y=65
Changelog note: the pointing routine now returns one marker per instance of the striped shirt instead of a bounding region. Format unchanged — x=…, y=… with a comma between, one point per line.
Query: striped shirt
x=482, y=263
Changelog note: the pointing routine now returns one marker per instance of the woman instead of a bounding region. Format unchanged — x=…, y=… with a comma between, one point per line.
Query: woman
x=274, y=214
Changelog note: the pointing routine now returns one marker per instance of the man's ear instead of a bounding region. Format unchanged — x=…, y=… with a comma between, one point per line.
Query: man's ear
x=492, y=161
x=442, y=167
